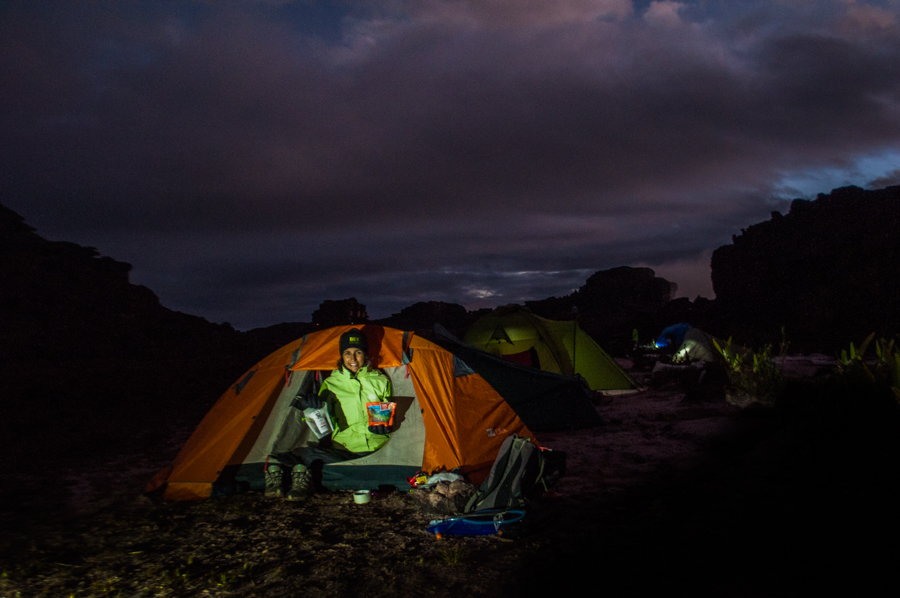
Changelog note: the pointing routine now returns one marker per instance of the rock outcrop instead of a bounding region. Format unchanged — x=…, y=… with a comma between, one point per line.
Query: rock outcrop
x=422, y=316
x=62, y=301
x=828, y=271
x=613, y=303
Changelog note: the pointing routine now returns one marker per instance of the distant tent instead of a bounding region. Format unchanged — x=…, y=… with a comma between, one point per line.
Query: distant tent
x=448, y=418
x=672, y=336
x=693, y=344
x=518, y=335
x=545, y=401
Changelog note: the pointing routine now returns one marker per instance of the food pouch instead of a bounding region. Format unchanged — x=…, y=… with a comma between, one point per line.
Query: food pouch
x=319, y=421
x=381, y=414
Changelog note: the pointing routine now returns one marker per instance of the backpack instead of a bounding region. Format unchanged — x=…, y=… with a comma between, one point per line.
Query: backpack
x=515, y=475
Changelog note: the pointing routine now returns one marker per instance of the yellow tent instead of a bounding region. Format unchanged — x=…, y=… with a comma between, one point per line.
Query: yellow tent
x=554, y=346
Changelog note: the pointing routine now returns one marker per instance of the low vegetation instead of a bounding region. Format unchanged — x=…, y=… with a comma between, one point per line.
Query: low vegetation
x=878, y=375
x=753, y=376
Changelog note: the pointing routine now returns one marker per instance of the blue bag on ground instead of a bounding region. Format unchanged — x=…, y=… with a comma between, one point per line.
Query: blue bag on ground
x=481, y=523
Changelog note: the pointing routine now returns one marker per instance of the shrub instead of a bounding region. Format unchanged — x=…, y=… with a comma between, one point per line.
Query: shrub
x=880, y=375
x=752, y=376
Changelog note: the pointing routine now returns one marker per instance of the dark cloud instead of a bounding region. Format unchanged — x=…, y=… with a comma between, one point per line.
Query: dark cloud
x=888, y=180
x=251, y=154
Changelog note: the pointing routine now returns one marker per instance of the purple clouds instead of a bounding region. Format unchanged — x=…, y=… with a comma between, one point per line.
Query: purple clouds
x=240, y=154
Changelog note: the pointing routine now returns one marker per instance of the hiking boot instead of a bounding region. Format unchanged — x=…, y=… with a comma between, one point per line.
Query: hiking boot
x=301, y=483
x=274, y=482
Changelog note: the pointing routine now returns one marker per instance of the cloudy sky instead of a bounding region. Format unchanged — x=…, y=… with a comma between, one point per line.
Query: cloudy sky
x=254, y=158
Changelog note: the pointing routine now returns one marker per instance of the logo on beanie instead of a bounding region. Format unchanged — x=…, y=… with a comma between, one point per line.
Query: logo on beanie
x=353, y=338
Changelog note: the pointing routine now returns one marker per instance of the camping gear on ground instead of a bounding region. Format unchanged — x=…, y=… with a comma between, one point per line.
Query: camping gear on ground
x=481, y=523
x=420, y=477
x=444, y=476
x=445, y=496
x=447, y=418
x=361, y=497
x=515, y=475
x=545, y=401
x=559, y=347
x=423, y=480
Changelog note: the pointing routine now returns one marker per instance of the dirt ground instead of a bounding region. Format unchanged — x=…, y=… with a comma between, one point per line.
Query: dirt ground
x=669, y=493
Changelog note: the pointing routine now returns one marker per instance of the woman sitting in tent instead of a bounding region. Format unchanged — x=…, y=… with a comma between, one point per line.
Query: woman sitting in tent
x=346, y=391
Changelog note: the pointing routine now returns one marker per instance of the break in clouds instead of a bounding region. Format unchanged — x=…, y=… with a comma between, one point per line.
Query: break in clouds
x=252, y=159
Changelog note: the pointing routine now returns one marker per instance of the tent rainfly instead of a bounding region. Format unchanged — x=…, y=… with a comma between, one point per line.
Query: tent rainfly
x=554, y=346
x=545, y=401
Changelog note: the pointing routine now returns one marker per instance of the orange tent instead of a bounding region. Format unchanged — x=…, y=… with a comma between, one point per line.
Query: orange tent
x=448, y=418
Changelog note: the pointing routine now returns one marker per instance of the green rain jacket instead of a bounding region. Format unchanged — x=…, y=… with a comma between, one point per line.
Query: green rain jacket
x=346, y=395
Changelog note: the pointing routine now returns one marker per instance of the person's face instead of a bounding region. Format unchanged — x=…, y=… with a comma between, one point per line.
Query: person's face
x=354, y=358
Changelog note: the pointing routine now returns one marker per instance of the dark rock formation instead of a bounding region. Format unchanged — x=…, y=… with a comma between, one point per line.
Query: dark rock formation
x=62, y=301
x=91, y=364
x=339, y=313
x=612, y=303
x=828, y=271
x=263, y=341
x=554, y=308
x=422, y=316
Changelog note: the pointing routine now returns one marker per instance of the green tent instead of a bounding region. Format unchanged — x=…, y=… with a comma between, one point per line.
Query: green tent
x=518, y=335
x=545, y=401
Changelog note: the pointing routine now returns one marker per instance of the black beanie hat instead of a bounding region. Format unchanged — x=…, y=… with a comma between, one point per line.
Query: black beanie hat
x=354, y=338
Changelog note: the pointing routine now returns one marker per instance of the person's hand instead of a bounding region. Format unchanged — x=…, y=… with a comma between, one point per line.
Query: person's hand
x=380, y=429
x=312, y=401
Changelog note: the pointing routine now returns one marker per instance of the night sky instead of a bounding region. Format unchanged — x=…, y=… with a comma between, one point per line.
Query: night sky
x=252, y=159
